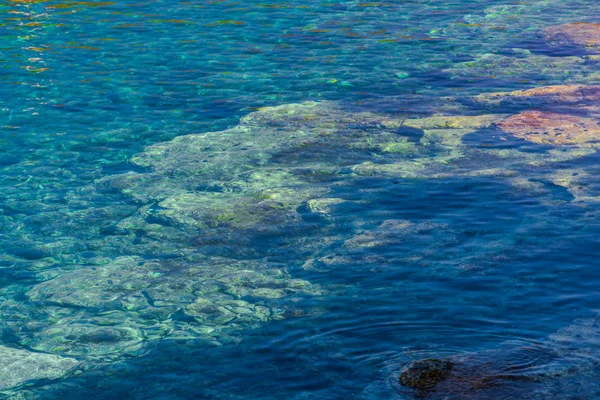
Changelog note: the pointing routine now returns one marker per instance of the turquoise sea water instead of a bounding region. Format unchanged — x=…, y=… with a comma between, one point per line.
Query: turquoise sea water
x=315, y=236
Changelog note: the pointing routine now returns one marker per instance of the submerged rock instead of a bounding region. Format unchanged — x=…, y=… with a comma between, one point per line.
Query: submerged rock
x=582, y=35
x=459, y=377
x=215, y=210
x=468, y=122
x=98, y=287
x=411, y=242
x=70, y=337
x=580, y=183
x=525, y=19
x=257, y=177
x=564, y=96
x=425, y=374
x=442, y=135
x=20, y=366
x=258, y=173
x=446, y=131
x=552, y=128
x=505, y=372
x=324, y=206
x=400, y=232
x=529, y=66
x=26, y=253
x=130, y=300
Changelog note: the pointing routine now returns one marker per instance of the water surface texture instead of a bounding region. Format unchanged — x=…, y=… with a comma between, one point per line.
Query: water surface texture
x=298, y=199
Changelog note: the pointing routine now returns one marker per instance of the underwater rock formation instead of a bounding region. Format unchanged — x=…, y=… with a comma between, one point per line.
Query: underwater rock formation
x=472, y=146
x=569, y=122
x=259, y=172
x=579, y=182
x=425, y=374
x=578, y=34
x=499, y=67
x=213, y=194
x=21, y=366
x=413, y=242
x=503, y=372
x=507, y=36
x=324, y=206
x=556, y=96
x=441, y=135
x=130, y=300
x=524, y=17
x=214, y=210
x=445, y=132
x=552, y=128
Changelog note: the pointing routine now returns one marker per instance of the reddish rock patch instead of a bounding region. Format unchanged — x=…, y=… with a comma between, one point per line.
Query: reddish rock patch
x=552, y=128
x=578, y=34
x=562, y=93
x=567, y=95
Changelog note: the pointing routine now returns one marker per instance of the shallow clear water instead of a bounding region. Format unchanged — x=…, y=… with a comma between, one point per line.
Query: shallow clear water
x=167, y=278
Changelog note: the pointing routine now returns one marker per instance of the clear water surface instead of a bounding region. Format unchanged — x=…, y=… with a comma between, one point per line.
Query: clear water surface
x=448, y=263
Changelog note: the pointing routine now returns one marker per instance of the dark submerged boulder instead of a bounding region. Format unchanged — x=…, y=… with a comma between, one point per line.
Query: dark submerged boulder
x=425, y=374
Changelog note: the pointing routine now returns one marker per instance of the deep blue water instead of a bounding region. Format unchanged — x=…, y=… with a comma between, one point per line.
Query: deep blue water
x=483, y=267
